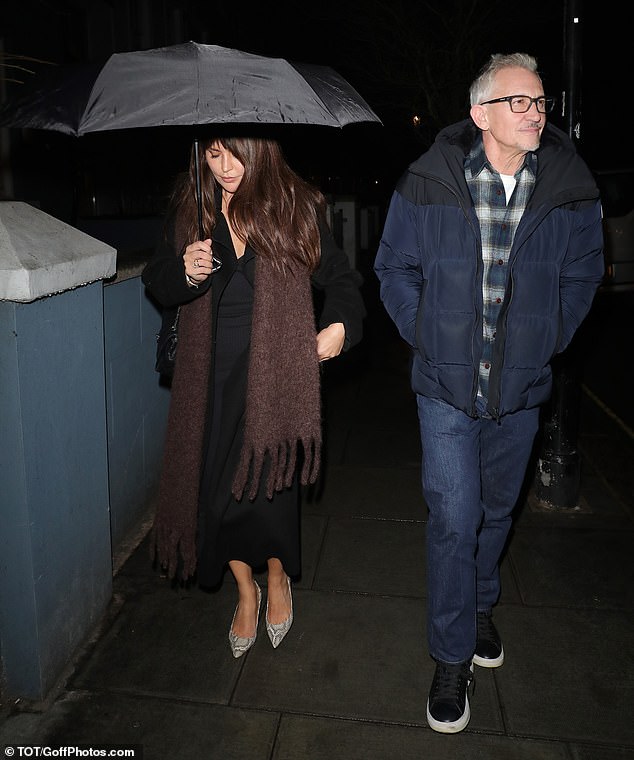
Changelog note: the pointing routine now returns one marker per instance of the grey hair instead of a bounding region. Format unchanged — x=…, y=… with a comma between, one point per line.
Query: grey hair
x=482, y=85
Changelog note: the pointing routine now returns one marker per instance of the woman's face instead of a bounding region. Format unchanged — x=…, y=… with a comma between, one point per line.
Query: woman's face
x=225, y=167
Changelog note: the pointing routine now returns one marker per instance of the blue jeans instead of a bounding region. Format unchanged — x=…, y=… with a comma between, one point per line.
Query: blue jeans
x=472, y=474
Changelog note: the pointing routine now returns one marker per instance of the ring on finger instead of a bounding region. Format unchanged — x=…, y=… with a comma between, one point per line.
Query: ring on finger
x=196, y=263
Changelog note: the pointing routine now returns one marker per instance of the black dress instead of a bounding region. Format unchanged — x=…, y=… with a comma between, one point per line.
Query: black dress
x=250, y=531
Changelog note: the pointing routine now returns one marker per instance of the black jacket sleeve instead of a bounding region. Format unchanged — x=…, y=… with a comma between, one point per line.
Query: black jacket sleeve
x=164, y=274
x=339, y=285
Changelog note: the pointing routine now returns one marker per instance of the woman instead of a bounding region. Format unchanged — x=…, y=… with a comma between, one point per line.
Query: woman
x=245, y=390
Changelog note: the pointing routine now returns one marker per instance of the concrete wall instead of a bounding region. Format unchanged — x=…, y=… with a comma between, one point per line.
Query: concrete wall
x=82, y=421
x=136, y=405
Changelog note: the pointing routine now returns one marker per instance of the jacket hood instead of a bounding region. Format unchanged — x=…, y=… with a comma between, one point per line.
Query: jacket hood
x=569, y=178
x=447, y=153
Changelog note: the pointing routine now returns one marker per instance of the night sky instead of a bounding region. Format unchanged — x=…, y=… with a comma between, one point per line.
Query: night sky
x=404, y=57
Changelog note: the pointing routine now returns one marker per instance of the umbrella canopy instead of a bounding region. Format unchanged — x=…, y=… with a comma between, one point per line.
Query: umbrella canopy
x=189, y=84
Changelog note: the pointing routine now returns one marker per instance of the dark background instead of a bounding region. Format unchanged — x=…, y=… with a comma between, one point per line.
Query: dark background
x=405, y=58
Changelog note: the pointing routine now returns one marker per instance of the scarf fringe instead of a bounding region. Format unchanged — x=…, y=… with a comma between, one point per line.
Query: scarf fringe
x=282, y=464
x=176, y=552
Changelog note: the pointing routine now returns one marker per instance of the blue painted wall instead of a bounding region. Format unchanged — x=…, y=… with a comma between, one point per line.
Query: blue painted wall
x=56, y=572
x=136, y=404
x=82, y=422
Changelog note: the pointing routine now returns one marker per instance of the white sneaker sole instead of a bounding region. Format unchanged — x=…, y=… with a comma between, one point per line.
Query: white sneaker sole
x=485, y=662
x=450, y=728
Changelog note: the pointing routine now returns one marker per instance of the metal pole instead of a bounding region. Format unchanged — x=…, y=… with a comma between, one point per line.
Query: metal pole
x=557, y=481
x=572, y=68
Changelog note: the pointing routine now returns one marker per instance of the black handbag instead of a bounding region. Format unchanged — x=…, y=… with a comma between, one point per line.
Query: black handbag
x=167, y=342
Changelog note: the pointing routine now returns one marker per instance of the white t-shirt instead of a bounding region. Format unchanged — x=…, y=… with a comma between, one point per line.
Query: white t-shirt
x=509, y=182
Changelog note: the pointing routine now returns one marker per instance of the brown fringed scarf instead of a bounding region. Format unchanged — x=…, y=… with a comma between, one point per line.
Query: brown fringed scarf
x=283, y=407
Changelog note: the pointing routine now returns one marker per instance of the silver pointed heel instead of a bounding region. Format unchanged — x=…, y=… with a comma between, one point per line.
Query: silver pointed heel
x=239, y=644
x=277, y=631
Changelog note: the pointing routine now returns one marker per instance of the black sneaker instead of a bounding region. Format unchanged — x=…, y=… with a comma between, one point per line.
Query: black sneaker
x=489, y=652
x=448, y=705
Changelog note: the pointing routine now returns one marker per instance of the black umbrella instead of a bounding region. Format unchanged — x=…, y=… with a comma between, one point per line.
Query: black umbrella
x=188, y=85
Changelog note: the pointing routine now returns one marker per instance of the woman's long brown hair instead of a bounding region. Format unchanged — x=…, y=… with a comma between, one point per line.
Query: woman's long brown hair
x=274, y=209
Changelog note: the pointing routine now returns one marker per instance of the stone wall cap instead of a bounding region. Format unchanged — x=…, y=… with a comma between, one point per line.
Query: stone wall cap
x=41, y=255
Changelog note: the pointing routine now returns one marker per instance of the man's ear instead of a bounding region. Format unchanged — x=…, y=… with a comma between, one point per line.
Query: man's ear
x=479, y=116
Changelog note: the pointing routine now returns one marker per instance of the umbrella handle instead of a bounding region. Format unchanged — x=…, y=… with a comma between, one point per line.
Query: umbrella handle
x=216, y=263
x=199, y=201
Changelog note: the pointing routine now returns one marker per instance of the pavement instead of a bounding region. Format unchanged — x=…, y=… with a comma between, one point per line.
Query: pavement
x=350, y=681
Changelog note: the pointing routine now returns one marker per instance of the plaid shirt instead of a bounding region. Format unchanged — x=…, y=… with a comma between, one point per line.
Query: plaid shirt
x=498, y=223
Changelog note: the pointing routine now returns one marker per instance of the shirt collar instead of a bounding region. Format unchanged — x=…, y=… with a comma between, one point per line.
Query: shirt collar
x=477, y=160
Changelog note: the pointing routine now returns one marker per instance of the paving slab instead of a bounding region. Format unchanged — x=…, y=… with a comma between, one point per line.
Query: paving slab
x=165, y=729
x=172, y=643
x=568, y=674
x=319, y=739
x=352, y=656
x=596, y=752
x=575, y=567
x=369, y=491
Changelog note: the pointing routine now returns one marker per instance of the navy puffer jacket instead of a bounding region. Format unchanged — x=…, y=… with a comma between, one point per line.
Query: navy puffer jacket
x=429, y=264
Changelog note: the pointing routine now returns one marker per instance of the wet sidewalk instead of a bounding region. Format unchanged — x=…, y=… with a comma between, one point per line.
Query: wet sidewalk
x=350, y=680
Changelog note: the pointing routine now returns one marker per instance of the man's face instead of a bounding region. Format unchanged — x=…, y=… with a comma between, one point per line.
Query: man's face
x=511, y=133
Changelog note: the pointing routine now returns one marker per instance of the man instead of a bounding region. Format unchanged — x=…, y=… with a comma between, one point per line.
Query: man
x=489, y=261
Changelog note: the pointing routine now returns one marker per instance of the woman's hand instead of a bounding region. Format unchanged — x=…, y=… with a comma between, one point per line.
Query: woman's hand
x=198, y=261
x=330, y=341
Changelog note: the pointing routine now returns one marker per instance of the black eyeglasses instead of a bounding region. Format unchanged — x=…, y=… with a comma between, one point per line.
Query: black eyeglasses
x=521, y=103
